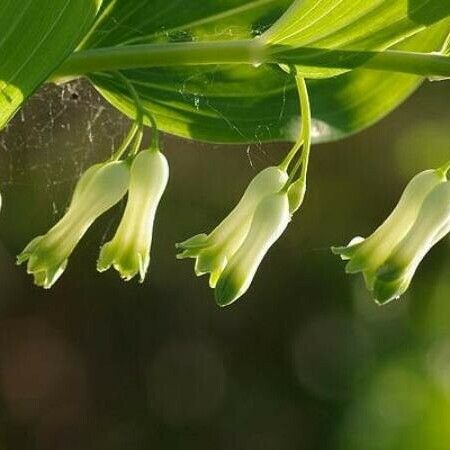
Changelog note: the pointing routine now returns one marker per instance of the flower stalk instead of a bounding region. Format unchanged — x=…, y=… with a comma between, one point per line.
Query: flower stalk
x=250, y=52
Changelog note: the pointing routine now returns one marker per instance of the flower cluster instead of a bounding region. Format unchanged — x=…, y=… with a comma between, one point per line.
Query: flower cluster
x=233, y=251
x=389, y=258
x=100, y=188
x=230, y=254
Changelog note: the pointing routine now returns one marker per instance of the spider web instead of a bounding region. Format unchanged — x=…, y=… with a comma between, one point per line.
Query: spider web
x=58, y=133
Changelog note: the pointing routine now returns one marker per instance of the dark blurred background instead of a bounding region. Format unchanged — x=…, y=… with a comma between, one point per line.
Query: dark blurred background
x=304, y=361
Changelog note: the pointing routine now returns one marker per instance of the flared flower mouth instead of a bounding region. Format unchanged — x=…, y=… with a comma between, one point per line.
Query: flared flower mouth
x=44, y=262
x=211, y=257
x=128, y=262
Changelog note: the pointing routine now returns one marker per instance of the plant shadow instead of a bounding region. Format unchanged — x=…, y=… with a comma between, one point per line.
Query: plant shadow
x=427, y=12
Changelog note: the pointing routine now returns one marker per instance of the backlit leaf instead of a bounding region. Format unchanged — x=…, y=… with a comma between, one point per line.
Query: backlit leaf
x=36, y=36
x=257, y=104
x=353, y=25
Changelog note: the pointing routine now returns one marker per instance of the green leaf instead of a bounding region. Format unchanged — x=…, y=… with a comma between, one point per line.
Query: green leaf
x=203, y=103
x=351, y=102
x=446, y=47
x=241, y=103
x=154, y=21
x=352, y=25
x=35, y=39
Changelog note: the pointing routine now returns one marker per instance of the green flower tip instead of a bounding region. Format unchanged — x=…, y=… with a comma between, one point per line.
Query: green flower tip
x=98, y=189
x=229, y=290
x=387, y=290
x=389, y=258
x=129, y=250
x=128, y=264
x=296, y=195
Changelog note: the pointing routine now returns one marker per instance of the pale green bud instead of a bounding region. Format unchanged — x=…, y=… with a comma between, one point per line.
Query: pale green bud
x=129, y=251
x=213, y=251
x=98, y=189
x=393, y=278
x=269, y=222
x=367, y=255
x=296, y=195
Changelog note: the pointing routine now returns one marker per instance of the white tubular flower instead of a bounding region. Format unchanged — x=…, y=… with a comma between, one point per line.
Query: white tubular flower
x=367, y=255
x=393, y=278
x=269, y=222
x=98, y=189
x=129, y=251
x=212, y=252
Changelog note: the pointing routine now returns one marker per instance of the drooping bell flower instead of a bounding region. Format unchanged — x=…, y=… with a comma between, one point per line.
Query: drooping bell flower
x=129, y=251
x=268, y=223
x=367, y=255
x=212, y=252
x=432, y=224
x=99, y=188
